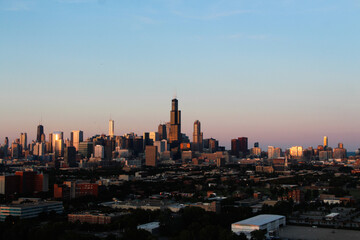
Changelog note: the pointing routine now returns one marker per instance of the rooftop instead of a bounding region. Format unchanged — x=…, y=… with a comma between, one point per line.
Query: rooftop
x=151, y=225
x=260, y=219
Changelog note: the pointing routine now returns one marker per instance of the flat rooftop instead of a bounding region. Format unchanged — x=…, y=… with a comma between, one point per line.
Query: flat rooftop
x=260, y=219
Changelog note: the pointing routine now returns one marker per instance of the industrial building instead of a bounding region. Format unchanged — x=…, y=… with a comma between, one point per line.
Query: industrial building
x=267, y=222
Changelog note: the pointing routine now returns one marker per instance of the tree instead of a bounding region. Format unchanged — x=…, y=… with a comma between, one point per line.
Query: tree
x=258, y=235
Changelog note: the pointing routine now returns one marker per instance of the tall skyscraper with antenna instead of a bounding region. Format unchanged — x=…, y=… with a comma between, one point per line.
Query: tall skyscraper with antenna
x=175, y=130
x=175, y=123
x=40, y=132
x=111, y=128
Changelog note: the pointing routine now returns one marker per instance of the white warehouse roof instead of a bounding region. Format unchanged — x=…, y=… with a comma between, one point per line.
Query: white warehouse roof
x=260, y=220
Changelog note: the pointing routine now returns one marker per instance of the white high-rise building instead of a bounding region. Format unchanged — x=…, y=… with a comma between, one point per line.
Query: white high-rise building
x=99, y=152
x=111, y=128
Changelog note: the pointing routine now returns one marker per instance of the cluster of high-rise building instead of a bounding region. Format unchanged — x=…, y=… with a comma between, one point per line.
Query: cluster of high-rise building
x=168, y=143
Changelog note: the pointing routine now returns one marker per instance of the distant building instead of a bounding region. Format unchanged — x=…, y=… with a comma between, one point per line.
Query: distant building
x=213, y=145
x=76, y=138
x=92, y=218
x=296, y=152
x=23, y=141
x=99, y=152
x=74, y=189
x=197, y=144
x=239, y=147
x=274, y=152
x=86, y=149
x=339, y=152
x=111, y=128
x=154, y=136
x=40, y=132
x=175, y=128
x=15, y=150
x=162, y=146
x=151, y=156
x=24, y=183
x=325, y=155
x=326, y=142
x=162, y=132
x=70, y=156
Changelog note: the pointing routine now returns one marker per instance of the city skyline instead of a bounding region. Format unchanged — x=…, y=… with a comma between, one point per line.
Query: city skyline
x=281, y=73
x=176, y=119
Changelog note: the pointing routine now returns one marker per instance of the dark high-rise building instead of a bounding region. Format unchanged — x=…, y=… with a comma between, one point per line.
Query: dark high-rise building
x=175, y=129
x=50, y=148
x=213, y=145
x=70, y=156
x=146, y=140
x=243, y=145
x=40, y=131
x=138, y=145
x=197, y=137
x=23, y=141
x=162, y=131
x=239, y=146
x=175, y=122
x=86, y=149
x=109, y=148
x=151, y=154
x=235, y=147
x=15, y=150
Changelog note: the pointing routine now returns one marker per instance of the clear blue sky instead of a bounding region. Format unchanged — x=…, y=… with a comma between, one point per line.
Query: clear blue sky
x=281, y=72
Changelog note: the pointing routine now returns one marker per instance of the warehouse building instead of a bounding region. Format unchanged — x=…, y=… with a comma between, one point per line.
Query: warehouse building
x=269, y=223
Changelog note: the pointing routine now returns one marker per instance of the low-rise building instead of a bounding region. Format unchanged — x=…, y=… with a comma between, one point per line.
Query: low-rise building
x=92, y=218
x=267, y=222
x=29, y=208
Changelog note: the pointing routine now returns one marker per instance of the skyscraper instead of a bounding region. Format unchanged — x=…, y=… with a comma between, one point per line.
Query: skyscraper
x=175, y=129
x=151, y=155
x=325, y=142
x=111, y=128
x=162, y=132
x=70, y=156
x=55, y=137
x=197, y=137
x=40, y=131
x=175, y=122
x=243, y=146
x=76, y=138
x=23, y=141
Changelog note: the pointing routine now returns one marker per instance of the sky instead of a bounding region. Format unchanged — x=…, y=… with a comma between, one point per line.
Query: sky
x=280, y=72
